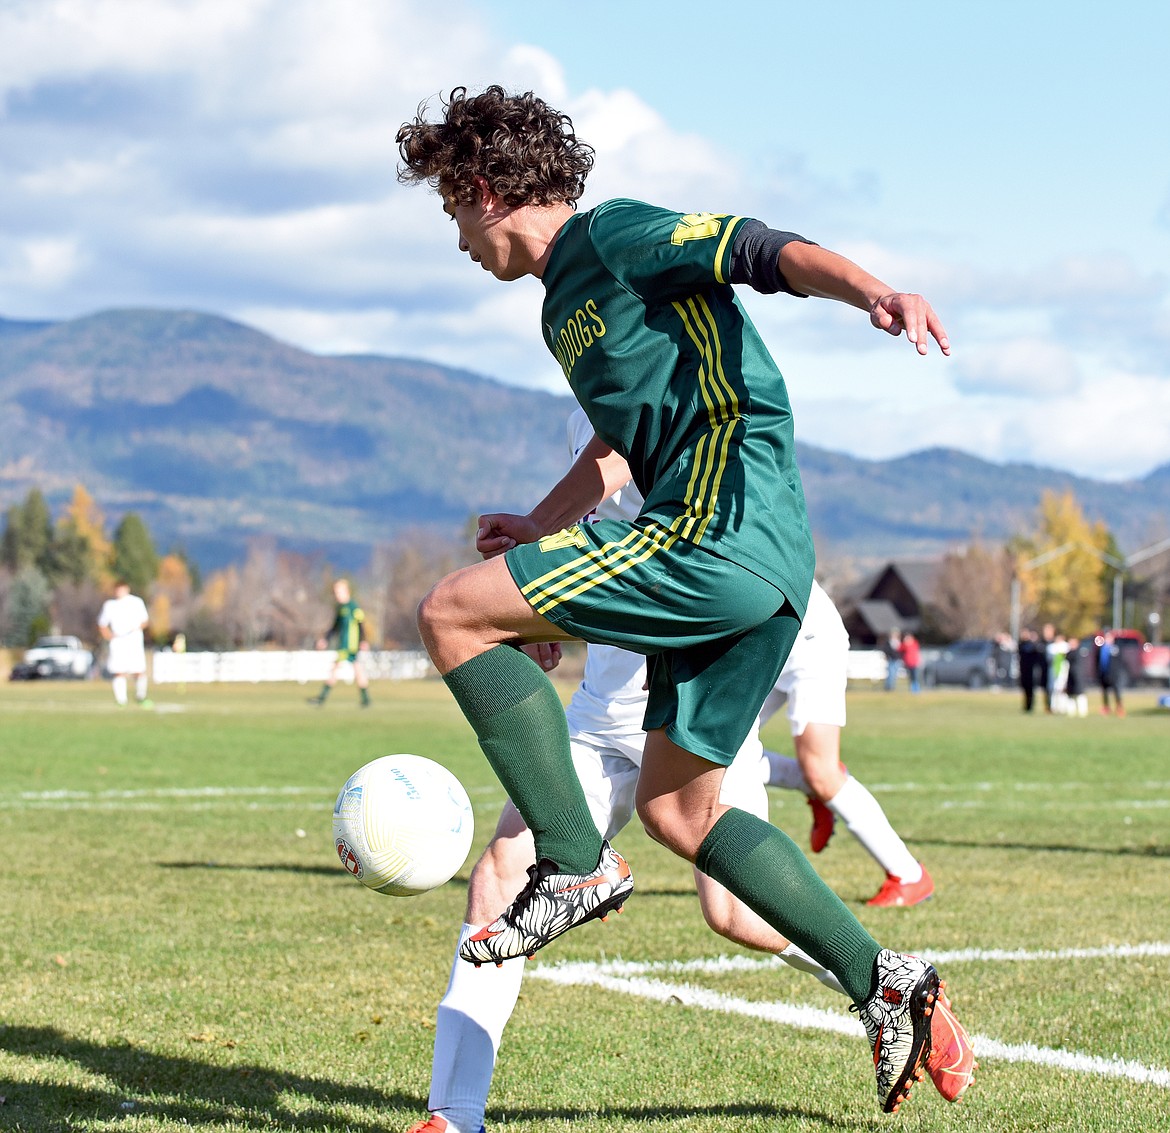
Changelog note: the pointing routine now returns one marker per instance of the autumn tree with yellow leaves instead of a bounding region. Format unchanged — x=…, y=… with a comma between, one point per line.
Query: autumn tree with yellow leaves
x=1071, y=584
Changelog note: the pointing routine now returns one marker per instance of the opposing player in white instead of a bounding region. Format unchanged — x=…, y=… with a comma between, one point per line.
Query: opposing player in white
x=121, y=622
x=812, y=688
x=605, y=727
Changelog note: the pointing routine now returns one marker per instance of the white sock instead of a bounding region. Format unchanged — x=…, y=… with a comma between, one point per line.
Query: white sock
x=796, y=958
x=140, y=687
x=119, y=684
x=468, y=1028
x=783, y=771
x=867, y=822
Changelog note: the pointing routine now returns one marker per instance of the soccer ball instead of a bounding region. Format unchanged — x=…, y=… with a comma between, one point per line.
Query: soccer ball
x=402, y=825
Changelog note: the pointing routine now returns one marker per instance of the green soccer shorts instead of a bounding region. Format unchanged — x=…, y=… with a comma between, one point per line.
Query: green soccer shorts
x=716, y=634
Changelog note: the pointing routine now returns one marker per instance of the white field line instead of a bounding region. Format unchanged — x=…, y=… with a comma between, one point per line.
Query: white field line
x=186, y=798
x=811, y=1018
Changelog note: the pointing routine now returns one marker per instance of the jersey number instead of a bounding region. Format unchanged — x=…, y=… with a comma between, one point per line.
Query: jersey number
x=562, y=540
x=697, y=226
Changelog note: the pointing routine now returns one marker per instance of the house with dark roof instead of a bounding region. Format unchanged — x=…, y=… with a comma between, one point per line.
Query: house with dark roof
x=896, y=597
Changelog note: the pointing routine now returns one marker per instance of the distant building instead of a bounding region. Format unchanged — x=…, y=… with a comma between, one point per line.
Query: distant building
x=896, y=597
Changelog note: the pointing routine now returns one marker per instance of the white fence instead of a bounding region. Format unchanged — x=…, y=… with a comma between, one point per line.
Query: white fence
x=302, y=665
x=866, y=665
x=305, y=665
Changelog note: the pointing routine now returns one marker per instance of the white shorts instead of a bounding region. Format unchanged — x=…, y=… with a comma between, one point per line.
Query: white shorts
x=813, y=690
x=127, y=655
x=609, y=778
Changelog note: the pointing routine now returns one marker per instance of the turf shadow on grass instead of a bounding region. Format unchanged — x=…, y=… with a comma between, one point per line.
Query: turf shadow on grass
x=181, y=1091
x=187, y=1092
x=1048, y=848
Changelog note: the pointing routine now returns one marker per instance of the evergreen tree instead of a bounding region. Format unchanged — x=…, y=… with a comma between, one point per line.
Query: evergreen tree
x=27, y=609
x=135, y=558
x=28, y=533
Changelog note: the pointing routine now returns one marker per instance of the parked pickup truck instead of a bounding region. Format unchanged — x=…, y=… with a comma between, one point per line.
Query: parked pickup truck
x=60, y=656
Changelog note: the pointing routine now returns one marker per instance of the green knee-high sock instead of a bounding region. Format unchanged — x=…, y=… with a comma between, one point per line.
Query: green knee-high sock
x=766, y=870
x=520, y=723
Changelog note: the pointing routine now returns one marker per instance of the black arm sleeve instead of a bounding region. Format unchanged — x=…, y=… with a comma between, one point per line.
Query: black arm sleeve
x=755, y=258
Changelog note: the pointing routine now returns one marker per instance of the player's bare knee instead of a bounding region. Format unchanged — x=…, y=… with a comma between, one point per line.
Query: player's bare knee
x=667, y=825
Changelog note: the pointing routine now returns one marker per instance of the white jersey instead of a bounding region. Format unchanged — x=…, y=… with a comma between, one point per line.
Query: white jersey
x=124, y=617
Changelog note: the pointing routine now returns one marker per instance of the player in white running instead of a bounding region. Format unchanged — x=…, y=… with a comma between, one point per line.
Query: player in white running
x=812, y=689
x=605, y=726
x=121, y=622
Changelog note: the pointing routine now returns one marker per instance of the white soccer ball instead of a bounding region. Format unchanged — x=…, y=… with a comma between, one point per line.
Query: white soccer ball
x=402, y=825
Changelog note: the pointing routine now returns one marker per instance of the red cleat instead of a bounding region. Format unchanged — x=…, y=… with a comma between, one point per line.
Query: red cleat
x=951, y=1063
x=896, y=892
x=823, y=821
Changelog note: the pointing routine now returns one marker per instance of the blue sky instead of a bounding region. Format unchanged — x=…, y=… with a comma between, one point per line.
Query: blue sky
x=1009, y=161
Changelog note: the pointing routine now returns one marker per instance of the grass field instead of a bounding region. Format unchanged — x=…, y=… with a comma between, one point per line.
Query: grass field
x=180, y=949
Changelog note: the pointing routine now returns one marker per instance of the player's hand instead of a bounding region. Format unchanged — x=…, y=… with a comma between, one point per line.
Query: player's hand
x=547, y=654
x=321, y=643
x=900, y=311
x=364, y=647
x=502, y=531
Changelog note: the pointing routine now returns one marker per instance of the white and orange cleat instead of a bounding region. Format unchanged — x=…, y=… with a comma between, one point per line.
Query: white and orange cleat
x=897, y=1020
x=548, y=906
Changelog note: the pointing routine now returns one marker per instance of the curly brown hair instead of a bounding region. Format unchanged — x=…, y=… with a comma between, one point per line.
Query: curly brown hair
x=524, y=149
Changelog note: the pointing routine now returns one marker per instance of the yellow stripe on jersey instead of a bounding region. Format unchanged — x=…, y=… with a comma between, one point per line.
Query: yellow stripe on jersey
x=723, y=413
x=728, y=228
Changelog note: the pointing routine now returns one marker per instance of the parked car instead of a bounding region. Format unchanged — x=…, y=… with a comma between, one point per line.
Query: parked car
x=976, y=663
x=54, y=657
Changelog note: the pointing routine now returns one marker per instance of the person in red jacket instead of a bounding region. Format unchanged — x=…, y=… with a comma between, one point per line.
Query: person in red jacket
x=911, y=654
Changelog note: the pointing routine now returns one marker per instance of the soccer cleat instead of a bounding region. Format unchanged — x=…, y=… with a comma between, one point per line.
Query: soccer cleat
x=315, y=701
x=823, y=821
x=434, y=1124
x=896, y=1018
x=951, y=1064
x=549, y=905
x=146, y=703
x=896, y=892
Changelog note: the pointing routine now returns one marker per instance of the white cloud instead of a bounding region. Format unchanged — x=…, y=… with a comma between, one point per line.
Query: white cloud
x=238, y=156
x=1023, y=367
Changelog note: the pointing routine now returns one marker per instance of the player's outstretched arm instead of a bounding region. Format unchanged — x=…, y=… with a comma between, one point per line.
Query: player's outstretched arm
x=813, y=270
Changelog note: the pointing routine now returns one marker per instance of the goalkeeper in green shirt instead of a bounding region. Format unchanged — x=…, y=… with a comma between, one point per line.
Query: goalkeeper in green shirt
x=349, y=627
x=709, y=582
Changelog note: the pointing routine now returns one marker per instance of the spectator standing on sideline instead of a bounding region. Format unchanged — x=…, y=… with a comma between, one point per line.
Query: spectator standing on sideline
x=1110, y=674
x=1076, y=699
x=892, y=648
x=121, y=623
x=1031, y=666
x=911, y=653
x=1056, y=650
x=349, y=625
x=1047, y=636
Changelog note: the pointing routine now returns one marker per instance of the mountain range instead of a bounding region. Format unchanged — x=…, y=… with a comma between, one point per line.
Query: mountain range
x=216, y=433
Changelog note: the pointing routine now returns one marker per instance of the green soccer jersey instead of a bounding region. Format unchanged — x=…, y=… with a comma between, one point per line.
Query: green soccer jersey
x=674, y=376
x=348, y=626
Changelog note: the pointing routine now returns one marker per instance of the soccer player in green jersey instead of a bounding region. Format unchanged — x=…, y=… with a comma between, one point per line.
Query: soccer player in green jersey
x=709, y=582
x=349, y=626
